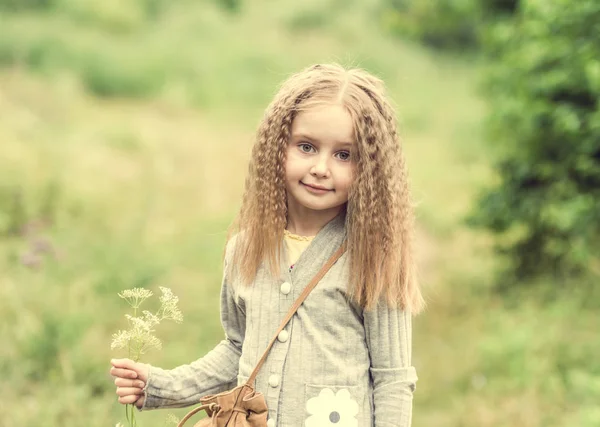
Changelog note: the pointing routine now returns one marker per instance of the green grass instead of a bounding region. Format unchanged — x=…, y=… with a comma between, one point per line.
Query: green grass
x=124, y=152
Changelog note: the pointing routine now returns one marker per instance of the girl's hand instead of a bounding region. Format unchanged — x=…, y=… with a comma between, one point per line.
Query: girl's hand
x=130, y=379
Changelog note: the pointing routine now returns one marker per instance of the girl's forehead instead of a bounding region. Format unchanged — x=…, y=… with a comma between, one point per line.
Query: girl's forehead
x=328, y=122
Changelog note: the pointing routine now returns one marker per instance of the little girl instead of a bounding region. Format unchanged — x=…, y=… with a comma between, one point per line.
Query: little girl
x=326, y=168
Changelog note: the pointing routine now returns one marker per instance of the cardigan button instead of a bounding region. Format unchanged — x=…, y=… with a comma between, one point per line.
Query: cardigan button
x=283, y=336
x=286, y=287
x=271, y=422
x=273, y=381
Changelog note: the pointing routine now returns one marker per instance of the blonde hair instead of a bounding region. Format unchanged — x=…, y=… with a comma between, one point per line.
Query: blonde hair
x=379, y=218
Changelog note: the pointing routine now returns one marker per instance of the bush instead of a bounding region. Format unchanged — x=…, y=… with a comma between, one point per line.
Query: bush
x=112, y=75
x=19, y=208
x=19, y=5
x=499, y=8
x=230, y=5
x=112, y=15
x=544, y=88
x=446, y=24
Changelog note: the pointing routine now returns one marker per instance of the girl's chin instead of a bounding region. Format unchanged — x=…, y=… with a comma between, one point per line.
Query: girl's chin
x=322, y=208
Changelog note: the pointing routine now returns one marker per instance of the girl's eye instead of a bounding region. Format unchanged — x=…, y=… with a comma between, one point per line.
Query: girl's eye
x=344, y=155
x=305, y=148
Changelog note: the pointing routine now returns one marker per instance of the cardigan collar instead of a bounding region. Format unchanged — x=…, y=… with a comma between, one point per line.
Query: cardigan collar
x=325, y=243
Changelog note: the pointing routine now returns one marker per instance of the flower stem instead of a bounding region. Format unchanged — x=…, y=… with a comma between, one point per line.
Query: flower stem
x=133, y=416
x=131, y=407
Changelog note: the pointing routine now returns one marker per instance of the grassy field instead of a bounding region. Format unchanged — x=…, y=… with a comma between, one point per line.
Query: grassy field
x=124, y=140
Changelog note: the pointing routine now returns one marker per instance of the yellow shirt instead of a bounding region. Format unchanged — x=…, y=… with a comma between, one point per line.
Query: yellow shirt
x=295, y=245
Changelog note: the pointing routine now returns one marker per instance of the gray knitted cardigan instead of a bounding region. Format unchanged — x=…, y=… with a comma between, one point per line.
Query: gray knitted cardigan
x=335, y=364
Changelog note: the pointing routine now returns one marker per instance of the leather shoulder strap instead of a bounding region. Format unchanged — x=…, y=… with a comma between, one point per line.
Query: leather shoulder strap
x=295, y=307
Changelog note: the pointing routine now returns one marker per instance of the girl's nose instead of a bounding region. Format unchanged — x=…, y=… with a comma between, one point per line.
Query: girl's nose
x=320, y=167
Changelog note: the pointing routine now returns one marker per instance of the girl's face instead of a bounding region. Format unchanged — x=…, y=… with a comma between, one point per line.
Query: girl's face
x=320, y=160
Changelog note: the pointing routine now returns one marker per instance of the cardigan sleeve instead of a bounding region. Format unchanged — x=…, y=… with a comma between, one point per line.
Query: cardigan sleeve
x=214, y=373
x=389, y=335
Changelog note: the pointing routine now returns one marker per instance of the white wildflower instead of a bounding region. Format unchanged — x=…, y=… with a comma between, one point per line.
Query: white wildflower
x=138, y=325
x=148, y=342
x=171, y=419
x=135, y=296
x=120, y=339
x=167, y=296
x=168, y=308
x=151, y=318
x=139, y=337
x=173, y=313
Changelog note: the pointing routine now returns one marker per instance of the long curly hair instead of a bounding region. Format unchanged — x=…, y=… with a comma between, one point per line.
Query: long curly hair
x=379, y=218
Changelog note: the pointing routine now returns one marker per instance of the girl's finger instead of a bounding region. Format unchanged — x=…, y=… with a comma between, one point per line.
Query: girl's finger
x=122, y=363
x=128, y=399
x=123, y=373
x=126, y=391
x=140, y=402
x=122, y=382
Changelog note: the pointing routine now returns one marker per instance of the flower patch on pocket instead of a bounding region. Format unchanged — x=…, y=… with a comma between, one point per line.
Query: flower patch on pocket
x=332, y=407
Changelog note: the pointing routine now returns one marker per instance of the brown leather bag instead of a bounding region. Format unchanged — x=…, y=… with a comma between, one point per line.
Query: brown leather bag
x=244, y=406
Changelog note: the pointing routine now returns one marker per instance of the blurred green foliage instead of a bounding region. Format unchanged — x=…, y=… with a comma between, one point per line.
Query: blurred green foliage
x=442, y=24
x=499, y=8
x=26, y=5
x=231, y=5
x=124, y=135
x=113, y=14
x=18, y=209
x=544, y=88
x=454, y=25
x=131, y=49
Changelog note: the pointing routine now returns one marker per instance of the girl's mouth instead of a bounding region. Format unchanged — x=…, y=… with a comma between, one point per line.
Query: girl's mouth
x=315, y=190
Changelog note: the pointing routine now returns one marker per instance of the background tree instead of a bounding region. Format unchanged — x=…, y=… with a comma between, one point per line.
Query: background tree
x=544, y=90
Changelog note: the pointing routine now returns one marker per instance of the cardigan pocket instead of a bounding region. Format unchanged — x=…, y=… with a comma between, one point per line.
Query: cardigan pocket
x=334, y=406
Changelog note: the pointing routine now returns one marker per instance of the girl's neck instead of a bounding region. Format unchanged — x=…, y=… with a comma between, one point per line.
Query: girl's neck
x=309, y=222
